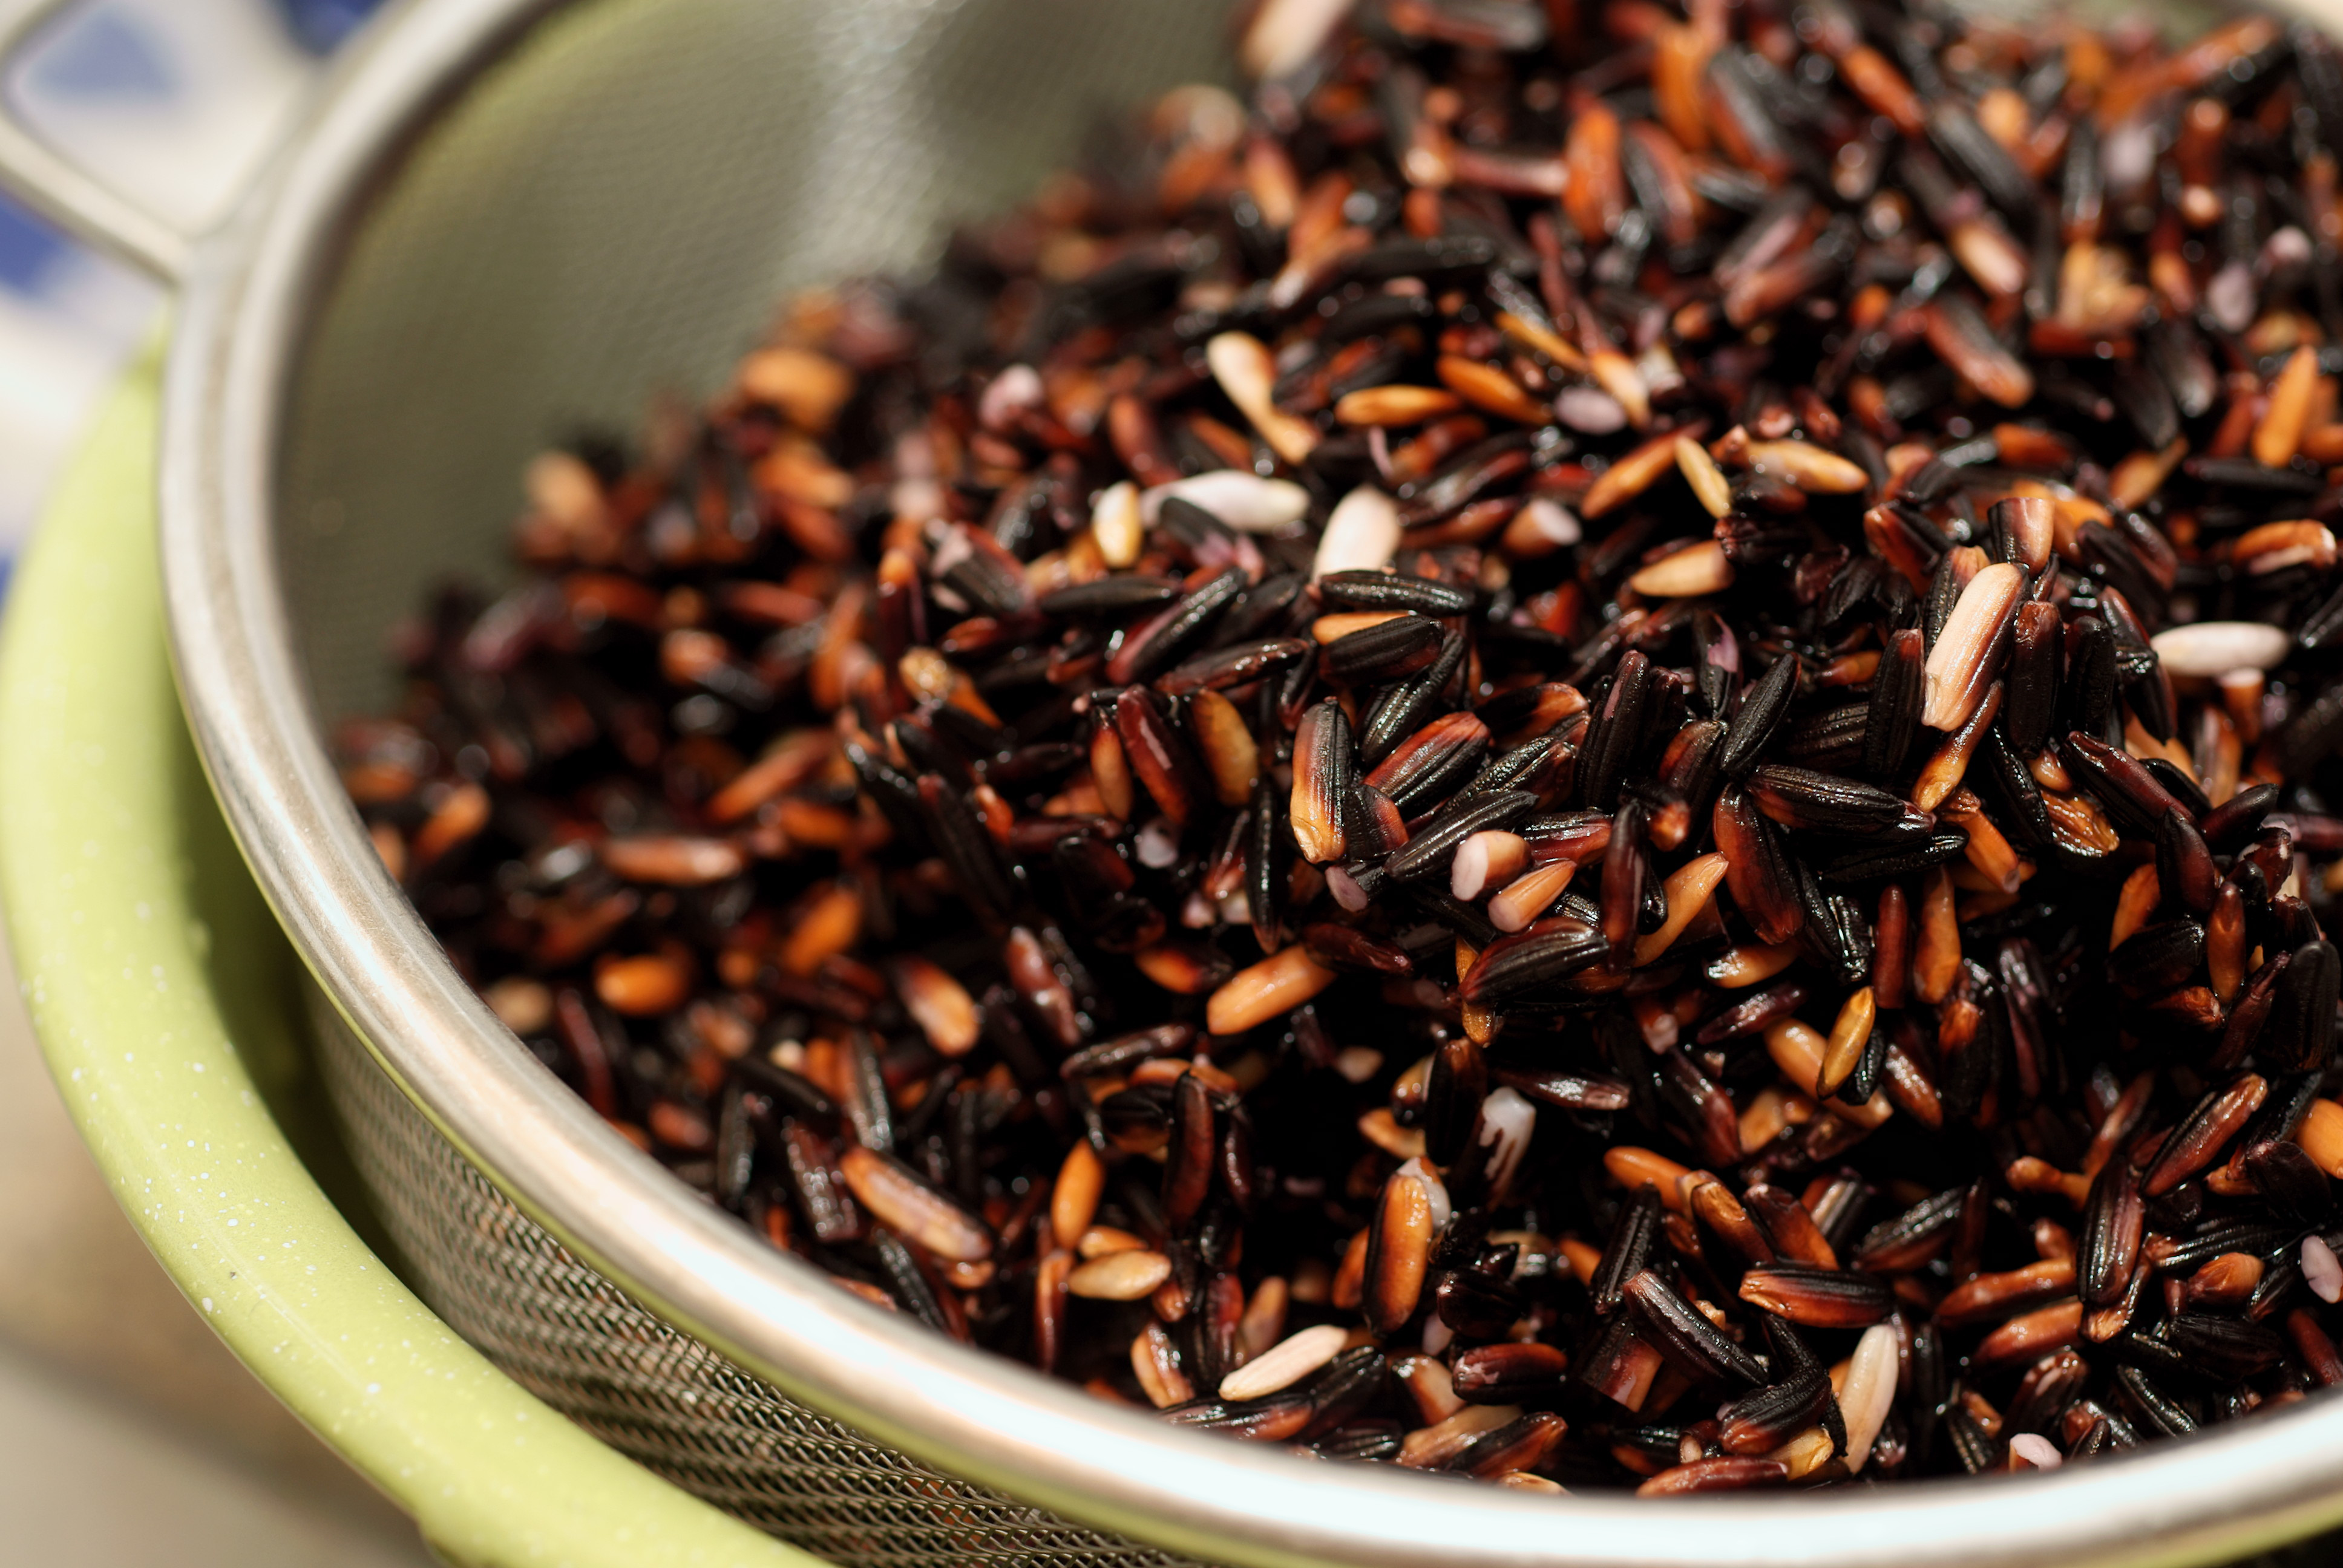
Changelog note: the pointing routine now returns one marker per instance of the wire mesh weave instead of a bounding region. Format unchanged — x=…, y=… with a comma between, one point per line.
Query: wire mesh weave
x=663, y=1399
x=607, y=213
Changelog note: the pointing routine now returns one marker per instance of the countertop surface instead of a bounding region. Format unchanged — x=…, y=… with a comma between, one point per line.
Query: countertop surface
x=128, y=1435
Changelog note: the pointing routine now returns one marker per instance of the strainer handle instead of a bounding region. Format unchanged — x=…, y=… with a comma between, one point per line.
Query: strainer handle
x=62, y=191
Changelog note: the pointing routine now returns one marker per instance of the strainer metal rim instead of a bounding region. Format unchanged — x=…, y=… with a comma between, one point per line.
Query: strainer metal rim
x=250, y=296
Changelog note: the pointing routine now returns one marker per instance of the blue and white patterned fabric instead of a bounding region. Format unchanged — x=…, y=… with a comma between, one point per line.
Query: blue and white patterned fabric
x=173, y=102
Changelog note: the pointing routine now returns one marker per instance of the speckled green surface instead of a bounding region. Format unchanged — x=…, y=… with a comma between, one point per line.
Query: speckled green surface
x=162, y=993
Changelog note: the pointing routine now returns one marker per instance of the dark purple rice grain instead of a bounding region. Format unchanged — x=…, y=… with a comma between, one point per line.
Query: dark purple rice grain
x=1433, y=846
x=2300, y=1034
x=1683, y=1336
x=1634, y=1236
x=1760, y=714
x=1759, y=1423
x=1431, y=764
x=1378, y=590
x=2114, y=1221
x=1404, y=710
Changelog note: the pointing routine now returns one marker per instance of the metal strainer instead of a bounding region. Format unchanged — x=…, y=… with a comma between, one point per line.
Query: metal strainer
x=511, y=218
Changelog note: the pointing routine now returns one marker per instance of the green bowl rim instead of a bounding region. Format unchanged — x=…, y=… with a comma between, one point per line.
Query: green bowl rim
x=164, y=1001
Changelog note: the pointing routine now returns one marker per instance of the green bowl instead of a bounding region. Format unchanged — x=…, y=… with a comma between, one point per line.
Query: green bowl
x=163, y=997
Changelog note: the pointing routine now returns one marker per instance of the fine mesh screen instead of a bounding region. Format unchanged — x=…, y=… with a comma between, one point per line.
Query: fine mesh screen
x=611, y=213
x=608, y=214
x=663, y=1399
